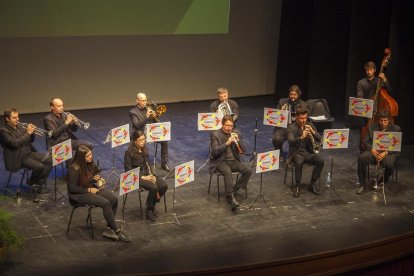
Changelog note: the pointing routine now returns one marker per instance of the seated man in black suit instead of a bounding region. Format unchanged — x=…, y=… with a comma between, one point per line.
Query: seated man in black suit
x=226, y=146
x=371, y=156
x=19, y=152
x=290, y=104
x=303, y=138
x=140, y=116
x=62, y=124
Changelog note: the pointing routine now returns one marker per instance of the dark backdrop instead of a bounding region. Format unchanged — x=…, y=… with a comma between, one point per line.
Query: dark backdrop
x=324, y=45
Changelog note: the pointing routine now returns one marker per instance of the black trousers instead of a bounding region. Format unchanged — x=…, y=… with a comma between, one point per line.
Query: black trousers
x=367, y=158
x=227, y=167
x=40, y=169
x=159, y=186
x=307, y=158
x=103, y=199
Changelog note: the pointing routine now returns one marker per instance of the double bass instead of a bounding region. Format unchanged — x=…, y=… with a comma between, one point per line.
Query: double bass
x=383, y=102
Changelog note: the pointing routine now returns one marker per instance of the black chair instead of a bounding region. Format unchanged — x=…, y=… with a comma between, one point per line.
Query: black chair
x=293, y=173
x=320, y=107
x=218, y=174
x=25, y=175
x=140, y=190
x=89, y=222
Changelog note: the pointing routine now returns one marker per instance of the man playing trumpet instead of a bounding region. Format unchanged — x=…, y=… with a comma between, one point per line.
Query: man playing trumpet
x=302, y=136
x=226, y=147
x=290, y=104
x=62, y=124
x=19, y=152
x=140, y=116
x=231, y=107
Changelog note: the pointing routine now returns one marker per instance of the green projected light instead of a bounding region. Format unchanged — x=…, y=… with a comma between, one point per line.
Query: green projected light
x=44, y=18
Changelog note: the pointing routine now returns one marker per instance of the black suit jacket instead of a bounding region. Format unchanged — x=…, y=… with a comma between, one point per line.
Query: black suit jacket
x=51, y=122
x=294, y=133
x=12, y=141
x=139, y=118
x=376, y=127
x=219, y=147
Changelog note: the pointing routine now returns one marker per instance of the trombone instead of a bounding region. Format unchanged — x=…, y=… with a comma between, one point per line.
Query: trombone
x=37, y=131
x=156, y=110
x=82, y=124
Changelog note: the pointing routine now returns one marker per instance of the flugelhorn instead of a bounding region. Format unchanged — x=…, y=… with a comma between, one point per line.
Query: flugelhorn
x=82, y=124
x=236, y=142
x=37, y=131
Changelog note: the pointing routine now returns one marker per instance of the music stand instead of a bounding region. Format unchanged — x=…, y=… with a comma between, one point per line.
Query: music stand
x=157, y=132
x=253, y=158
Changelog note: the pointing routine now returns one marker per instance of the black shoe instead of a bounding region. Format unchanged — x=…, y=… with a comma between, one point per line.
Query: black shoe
x=40, y=189
x=296, y=192
x=165, y=168
x=313, y=189
x=360, y=190
x=150, y=215
x=233, y=202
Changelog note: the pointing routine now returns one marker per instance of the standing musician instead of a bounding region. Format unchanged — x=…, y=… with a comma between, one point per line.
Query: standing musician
x=290, y=104
x=19, y=152
x=366, y=89
x=140, y=116
x=62, y=124
x=229, y=106
x=386, y=159
x=303, y=147
x=83, y=188
x=137, y=156
x=226, y=147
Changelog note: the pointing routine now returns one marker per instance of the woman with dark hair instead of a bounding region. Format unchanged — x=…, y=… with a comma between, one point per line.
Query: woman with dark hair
x=137, y=156
x=83, y=188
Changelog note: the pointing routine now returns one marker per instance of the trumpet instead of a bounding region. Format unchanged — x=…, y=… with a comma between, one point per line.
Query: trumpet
x=37, y=131
x=156, y=110
x=82, y=124
x=236, y=142
x=316, y=147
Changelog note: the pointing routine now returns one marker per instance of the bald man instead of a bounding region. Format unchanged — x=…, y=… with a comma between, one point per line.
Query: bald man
x=140, y=116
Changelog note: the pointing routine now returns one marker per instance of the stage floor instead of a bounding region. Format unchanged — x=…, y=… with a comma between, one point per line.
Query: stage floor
x=210, y=235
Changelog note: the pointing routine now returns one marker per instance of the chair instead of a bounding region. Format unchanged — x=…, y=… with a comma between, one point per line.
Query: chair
x=293, y=173
x=140, y=190
x=218, y=183
x=320, y=107
x=25, y=174
x=89, y=222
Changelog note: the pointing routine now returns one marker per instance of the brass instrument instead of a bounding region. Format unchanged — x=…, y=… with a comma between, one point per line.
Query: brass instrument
x=156, y=110
x=284, y=107
x=37, y=131
x=316, y=146
x=236, y=142
x=224, y=109
x=82, y=124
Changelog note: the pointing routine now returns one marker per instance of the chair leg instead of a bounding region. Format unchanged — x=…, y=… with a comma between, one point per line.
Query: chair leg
x=140, y=205
x=293, y=175
x=70, y=220
x=23, y=175
x=209, y=183
x=286, y=170
x=165, y=203
x=218, y=187
x=89, y=222
x=8, y=183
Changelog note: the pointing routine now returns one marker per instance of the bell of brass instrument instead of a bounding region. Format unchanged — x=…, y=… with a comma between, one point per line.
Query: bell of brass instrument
x=82, y=124
x=239, y=149
x=37, y=131
x=156, y=110
x=316, y=147
x=224, y=109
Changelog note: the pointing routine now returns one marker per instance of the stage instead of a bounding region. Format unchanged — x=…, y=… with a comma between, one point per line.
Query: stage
x=211, y=236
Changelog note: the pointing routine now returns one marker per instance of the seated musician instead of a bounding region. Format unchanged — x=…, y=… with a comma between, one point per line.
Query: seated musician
x=302, y=137
x=137, y=156
x=220, y=104
x=291, y=104
x=19, y=152
x=386, y=159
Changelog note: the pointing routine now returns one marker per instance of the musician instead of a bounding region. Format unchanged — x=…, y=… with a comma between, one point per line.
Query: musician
x=137, y=156
x=367, y=87
x=82, y=188
x=226, y=145
x=386, y=159
x=19, y=152
x=223, y=97
x=62, y=125
x=301, y=149
x=291, y=104
x=140, y=116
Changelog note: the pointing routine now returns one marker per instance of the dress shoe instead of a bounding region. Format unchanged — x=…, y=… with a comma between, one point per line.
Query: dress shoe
x=150, y=215
x=360, y=190
x=233, y=202
x=165, y=168
x=156, y=214
x=312, y=189
x=296, y=192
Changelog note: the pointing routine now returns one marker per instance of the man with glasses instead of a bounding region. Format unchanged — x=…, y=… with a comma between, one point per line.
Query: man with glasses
x=226, y=147
x=140, y=116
